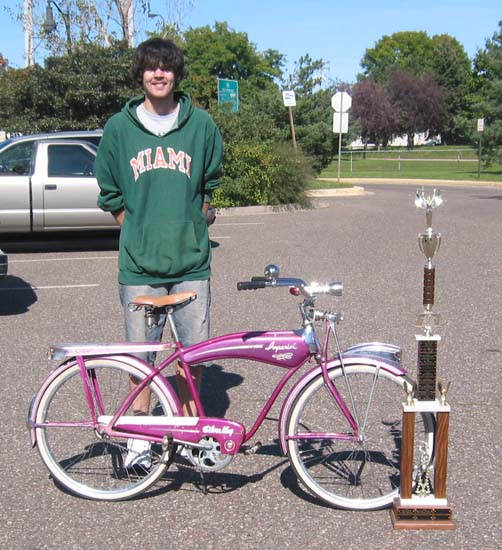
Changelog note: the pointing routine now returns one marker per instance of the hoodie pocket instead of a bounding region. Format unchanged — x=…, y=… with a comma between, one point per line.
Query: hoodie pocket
x=167, y=249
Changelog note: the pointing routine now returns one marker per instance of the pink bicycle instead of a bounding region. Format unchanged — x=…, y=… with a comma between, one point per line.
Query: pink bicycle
x=340, y=423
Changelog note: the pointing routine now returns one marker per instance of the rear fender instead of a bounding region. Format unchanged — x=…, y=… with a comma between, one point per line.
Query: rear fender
x=143, y=367
x=348, y=360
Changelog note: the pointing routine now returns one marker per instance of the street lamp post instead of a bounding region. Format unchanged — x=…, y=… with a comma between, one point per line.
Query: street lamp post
x=50, y=24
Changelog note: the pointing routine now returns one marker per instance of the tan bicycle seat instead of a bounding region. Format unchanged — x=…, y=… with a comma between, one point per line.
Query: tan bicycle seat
x=164, y=301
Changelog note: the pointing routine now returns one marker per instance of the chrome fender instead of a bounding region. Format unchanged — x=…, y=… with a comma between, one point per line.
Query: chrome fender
x=145, y=368
x=350, y=359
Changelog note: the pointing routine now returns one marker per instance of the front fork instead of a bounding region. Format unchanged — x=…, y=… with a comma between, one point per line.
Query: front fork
x=351, y=413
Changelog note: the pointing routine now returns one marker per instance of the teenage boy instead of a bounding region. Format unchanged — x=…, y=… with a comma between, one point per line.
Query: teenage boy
x=157, y=165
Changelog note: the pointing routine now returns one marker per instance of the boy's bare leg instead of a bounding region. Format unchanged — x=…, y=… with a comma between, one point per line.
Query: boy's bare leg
x=189, y=408
x=142, y=403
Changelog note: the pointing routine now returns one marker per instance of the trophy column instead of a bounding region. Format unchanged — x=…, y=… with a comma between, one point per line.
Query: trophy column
x=422, y=502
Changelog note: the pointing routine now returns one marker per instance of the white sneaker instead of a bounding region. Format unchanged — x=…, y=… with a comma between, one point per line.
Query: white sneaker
x=138, y=454
x=183, y=452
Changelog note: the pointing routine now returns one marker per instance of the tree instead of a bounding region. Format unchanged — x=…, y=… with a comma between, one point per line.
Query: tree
x=419, y=103
x=372, y=107
x=488, y=76
x=410, y=51
x=452, y=68
x=307, y=75
x=221, y=52
x=419, y=55
x=77, y=91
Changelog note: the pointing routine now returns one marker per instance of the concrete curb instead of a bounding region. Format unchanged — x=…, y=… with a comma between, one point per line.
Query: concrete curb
x=436, y=183
x=338, y=192
x=316, y=195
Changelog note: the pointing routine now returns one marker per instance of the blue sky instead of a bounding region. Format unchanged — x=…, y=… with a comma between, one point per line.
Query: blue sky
x=337, y=31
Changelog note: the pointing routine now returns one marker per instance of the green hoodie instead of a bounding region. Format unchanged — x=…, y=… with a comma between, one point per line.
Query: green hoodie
x=161, y=183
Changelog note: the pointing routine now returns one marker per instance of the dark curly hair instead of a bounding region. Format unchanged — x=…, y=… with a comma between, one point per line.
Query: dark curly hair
x=157, y=52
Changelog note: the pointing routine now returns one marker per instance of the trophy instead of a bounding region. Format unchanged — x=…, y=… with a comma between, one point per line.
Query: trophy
x=422, y=502
x=429, y=243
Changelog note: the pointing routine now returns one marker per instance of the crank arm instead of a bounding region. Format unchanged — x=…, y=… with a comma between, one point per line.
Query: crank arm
x=199, y=446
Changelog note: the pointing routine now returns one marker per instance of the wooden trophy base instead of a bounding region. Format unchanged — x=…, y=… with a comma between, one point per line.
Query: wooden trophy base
x=429, y=511
x=421, y=516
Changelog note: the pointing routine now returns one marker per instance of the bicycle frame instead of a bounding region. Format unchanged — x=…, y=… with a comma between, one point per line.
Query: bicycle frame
x=289, y=350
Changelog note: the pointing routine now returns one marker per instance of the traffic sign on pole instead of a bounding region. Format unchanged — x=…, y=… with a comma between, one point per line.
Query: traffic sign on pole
x=228, y=92
x=289, y=98
x=481, y=128
x=341, y=102
x=340, y=123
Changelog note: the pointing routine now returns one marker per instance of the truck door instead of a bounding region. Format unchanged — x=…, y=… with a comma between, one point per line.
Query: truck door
x=70, y=190
x=15, y=199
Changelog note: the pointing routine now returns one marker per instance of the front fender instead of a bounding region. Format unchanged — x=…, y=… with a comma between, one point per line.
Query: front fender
x=348, y=360
x=143, y=367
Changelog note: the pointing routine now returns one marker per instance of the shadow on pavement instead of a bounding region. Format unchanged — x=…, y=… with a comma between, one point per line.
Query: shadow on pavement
x=16, y=296
x=215, y=383
x=61, y=242
x=492, y=197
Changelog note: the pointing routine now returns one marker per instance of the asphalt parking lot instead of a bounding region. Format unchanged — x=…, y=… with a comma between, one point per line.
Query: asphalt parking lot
x=64, y=290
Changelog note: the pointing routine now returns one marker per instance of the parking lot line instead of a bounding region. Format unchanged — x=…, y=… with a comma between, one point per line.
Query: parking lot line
x=14, y=261
x=240, y=223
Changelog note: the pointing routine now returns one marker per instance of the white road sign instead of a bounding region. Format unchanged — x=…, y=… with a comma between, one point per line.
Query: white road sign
x=288, y=96
x=340, y=123
x=481, y=124
x=341, y=102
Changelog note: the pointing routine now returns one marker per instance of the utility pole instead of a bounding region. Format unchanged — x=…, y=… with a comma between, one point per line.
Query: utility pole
x=130, y=24
x=29, y=50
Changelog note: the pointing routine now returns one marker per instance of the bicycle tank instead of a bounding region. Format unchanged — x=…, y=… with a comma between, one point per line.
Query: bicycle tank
x=282, y=348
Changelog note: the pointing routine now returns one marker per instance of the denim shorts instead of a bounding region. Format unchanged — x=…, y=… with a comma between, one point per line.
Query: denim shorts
x=191, y=320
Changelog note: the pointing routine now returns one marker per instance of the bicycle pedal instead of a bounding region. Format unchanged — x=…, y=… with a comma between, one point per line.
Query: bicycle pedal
x=253, y=449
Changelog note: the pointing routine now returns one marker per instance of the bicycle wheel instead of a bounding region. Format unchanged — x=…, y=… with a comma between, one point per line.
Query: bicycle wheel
x=355, y=475
x=79, y=459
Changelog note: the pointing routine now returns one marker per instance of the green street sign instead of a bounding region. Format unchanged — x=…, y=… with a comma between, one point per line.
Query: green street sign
x=228, y=92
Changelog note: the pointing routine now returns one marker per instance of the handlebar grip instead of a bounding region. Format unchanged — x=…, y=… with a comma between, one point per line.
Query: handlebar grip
x=250, y=285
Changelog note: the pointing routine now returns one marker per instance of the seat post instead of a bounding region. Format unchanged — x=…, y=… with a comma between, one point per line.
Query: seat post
x=172, y=326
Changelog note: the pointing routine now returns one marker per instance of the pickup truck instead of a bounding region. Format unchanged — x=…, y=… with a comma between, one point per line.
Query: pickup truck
x=47, y=183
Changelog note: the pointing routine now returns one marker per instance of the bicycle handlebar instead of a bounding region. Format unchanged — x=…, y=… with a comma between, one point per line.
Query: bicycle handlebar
x=262, y=282
x=272, y=280
x=250, y=285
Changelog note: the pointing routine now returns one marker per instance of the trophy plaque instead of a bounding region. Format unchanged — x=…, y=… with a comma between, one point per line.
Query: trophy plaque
x=422, y=502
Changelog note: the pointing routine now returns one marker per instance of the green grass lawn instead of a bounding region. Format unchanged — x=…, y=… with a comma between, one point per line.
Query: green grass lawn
x=451, y=163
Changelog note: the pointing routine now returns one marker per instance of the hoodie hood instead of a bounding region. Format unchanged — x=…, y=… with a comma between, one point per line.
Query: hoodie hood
x=184, y=101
